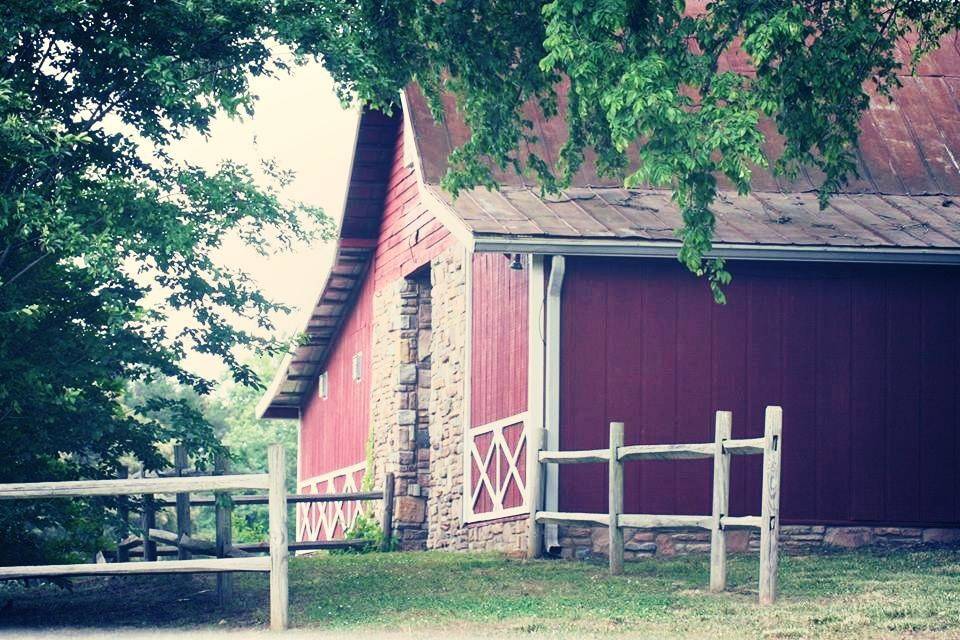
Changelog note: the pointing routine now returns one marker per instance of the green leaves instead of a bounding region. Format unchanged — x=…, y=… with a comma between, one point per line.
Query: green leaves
x=103, y=239
x=685, y=89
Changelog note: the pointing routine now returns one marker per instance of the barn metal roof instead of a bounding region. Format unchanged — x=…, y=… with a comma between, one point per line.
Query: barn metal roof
x=864, y=221
x=905, y=197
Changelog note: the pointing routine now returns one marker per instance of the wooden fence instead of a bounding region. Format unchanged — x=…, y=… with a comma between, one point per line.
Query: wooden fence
x=156, y=542
x=718, y=522
x=272, y=482
x=229, y=557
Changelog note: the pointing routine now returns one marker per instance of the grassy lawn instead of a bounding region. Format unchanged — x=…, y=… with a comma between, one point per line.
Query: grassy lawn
x=842, y=595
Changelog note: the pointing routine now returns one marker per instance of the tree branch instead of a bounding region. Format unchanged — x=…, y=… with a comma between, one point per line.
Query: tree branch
x=25, y=269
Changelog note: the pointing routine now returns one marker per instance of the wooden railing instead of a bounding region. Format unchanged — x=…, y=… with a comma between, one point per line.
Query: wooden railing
x=155, y=542
x=272, y=482
x=185, y=543
x=718, y=522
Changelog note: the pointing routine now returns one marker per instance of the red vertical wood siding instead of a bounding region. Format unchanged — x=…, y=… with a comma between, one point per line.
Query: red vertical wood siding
x=499, y=356
x=409, y=236
x=334, y=431
x=864, y=359
x=499, y=364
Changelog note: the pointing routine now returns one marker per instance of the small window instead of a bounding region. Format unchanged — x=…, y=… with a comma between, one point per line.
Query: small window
x=357, y=366
x=322, y=385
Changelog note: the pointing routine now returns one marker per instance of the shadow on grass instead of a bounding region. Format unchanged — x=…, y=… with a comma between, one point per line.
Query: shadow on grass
x=835, y=595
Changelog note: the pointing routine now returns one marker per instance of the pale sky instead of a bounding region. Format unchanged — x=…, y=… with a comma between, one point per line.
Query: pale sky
x=300, y=124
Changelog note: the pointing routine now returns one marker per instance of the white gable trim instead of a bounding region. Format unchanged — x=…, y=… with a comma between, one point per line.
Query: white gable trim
x=439, y=209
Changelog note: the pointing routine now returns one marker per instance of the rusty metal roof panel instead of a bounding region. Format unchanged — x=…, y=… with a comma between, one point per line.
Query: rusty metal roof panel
x=936, y=126
x=769, y=219
x=568, y=207
x=544, y=216
x=746, y=217
x=775, y=210
x=908, y=163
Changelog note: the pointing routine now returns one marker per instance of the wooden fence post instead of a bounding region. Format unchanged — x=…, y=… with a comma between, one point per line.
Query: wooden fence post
x=223, y=523
x=721, y=501
x=149, y=521
x=123, y=515
x=388, y=488
x=616, y=499
x=180, y=462
x=535, y=490
x=277, y=507
x=770, y=504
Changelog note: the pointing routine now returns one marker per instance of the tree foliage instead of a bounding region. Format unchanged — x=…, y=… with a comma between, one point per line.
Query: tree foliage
x=647, y=75
x=231, y=410
x=104, y=237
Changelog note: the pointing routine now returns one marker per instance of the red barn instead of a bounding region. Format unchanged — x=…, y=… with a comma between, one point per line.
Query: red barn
x=434, y=355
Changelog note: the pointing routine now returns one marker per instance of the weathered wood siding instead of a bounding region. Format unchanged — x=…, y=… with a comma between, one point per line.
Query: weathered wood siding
x=409, y=235
x=864, y=359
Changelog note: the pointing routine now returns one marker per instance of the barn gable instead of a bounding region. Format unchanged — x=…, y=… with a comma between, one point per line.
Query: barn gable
x=385, y=222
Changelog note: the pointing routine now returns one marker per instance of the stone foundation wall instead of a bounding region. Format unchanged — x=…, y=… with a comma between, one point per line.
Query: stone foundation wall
x=583, y=543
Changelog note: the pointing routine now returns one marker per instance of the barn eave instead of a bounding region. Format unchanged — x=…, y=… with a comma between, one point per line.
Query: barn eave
x=733, y=251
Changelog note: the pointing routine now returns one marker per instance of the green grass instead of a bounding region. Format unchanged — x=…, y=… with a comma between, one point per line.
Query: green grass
x=829, y=596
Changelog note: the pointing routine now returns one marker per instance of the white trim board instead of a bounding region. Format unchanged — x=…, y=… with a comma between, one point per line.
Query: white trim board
x=465, y=509
x=558, y=266
x=669, y=249
x=536, y=312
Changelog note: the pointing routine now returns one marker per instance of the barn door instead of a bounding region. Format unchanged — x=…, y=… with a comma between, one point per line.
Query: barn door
x=496, y=474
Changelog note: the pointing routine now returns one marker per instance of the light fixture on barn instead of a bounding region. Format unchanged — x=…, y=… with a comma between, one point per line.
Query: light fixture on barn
x=516, y=263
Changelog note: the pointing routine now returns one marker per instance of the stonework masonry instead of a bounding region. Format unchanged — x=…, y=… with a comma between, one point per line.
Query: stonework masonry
x=399, y=403
x=384, y=370
x=417, y=409
x=583, y=543
x=445, y=509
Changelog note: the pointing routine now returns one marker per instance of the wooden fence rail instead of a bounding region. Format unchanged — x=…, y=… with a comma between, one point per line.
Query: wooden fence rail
x=131, y=486
x=293, y=498
x=224, y=505
x=718, y=522
x=276, y=564
x=156, y=543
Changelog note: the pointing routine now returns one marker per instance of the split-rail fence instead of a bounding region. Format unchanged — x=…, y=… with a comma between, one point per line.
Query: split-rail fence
x=230, y=557
x=718, y=522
